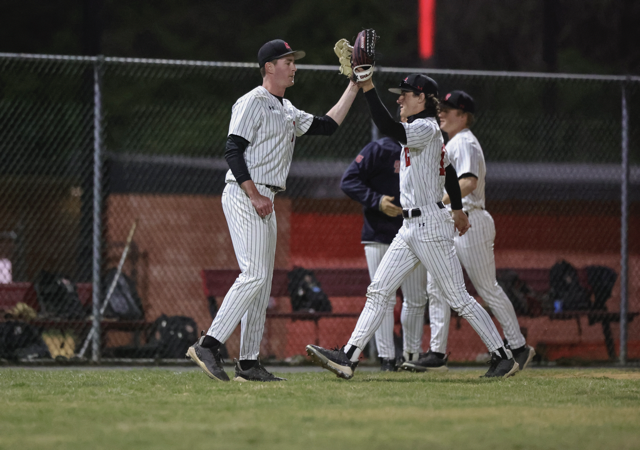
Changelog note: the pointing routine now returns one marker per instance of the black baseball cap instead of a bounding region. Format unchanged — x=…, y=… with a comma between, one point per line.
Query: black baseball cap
x=459, y=100
x=417, y=83
x=276, y=49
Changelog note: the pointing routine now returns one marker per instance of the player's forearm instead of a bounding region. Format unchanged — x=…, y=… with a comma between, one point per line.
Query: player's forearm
x=249, y=188
x=467, y=186
x=340, y=110
x=453, y=188
x=234, y=154
x=366, y=197
x=383, y=119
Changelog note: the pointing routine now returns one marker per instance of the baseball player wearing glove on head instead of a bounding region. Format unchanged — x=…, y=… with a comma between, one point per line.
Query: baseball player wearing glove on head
x=262, y=135
x=426, y=236
x=475, y=248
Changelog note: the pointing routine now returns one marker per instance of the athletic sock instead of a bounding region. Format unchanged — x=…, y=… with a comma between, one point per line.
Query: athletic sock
x=247, y=364
x=353, y=352
x=502, y=353
x=207, y=341
x=517, y=351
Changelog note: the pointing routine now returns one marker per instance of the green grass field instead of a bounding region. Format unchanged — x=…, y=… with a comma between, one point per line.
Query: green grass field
x=183, y=409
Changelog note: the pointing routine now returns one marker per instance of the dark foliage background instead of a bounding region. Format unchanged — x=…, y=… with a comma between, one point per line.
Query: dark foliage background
x=577, y=36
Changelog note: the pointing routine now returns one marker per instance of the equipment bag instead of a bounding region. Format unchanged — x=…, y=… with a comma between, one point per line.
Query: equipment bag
x=124, y=302
x=19, y=340
x=565, y=286
x=58, y=297
x=306, y=292
x=172, y=336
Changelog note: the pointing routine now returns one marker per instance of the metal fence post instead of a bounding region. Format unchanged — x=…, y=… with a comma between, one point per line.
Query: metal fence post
x=624, y=225
x=97, y=204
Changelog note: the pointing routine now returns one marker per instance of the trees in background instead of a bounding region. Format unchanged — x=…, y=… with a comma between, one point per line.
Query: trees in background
x=583, y=36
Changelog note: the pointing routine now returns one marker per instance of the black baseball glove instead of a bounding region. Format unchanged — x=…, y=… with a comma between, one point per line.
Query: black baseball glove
x=363, y=57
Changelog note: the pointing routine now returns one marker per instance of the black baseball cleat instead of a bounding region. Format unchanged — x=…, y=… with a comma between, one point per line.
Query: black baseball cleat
x=427, y=362
x=388, y=365
x=256, y=373
x=210, y=361
x=335, y=360
x=523, y=356
x=501, y=367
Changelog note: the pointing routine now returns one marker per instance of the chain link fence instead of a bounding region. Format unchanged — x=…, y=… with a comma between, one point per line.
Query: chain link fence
x=111, y=163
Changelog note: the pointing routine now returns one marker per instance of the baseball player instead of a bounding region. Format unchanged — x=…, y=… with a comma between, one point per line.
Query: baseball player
x=426, y=235
x=262, y=135
x=475, y=248
x=373, y=180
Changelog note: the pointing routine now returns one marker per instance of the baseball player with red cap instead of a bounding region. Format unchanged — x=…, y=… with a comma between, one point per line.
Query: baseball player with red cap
x=262, y=135
x=474, y=248
x=426, y=236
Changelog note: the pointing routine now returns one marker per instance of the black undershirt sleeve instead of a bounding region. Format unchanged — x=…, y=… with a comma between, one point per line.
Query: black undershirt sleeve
x=383, y=119
x=234, y=154
x=467, y=175
x=324, y=125
x=453, y=187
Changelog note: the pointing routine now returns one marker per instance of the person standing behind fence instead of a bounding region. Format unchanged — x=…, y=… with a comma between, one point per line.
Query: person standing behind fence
x=474, y=248
x=373, y=180
x=262, y=135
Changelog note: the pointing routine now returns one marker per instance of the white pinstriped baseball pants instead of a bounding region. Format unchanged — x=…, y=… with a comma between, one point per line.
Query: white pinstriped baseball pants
x=427, y=239
x=475, y=251
x=412, y=316
x=254, y=242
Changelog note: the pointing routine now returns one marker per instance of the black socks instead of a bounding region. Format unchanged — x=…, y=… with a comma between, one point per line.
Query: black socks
x=247, y=364
x=207, y=341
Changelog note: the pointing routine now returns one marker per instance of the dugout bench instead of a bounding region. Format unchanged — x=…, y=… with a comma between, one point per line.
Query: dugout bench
x=13, y=293
x=353, y=282
x=334, y=282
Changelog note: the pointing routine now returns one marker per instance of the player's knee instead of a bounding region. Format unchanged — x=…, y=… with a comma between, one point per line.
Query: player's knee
x=379, y=296
x=256, y=280
x=414, y=310
x=465, y=308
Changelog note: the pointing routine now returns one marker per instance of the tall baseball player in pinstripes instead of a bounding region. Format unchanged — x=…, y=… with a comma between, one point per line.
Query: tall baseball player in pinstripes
x=475, y=248
x=426, y=236
x=262, y=135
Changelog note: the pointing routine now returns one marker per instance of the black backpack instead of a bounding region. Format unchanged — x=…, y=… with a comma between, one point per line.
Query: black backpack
x=124, y=302
x=516, y=290
x=58, y=297
x=565, y=286
x=172, y=336
x=20, y=340
x=601, y=279
x=306, y=292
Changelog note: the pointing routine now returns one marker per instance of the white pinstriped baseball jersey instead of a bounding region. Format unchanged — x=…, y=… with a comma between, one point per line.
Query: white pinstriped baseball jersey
x=271, y=128
x=422, y=164
x=426, y=239
x=474, y=250
x=465, y=153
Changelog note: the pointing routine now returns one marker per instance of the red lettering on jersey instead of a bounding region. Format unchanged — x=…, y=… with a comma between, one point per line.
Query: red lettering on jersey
x=407, y=157
x=396, y=166
x=359, y=159
x=442, y=162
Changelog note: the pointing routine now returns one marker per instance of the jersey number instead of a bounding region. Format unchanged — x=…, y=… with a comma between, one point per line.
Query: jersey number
x=442, y=162
x=407, y=157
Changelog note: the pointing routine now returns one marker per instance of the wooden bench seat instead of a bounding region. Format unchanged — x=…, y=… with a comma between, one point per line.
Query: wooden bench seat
x=13, y=293
x=353, y=282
